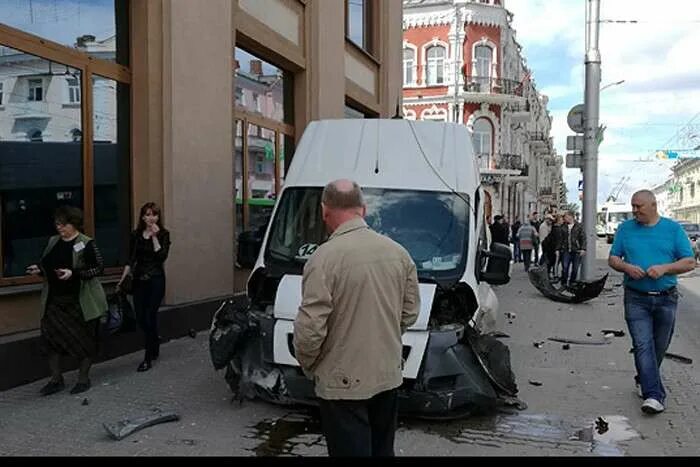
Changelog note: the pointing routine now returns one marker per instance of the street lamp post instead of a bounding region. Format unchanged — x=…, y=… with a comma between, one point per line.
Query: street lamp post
x=590, y=143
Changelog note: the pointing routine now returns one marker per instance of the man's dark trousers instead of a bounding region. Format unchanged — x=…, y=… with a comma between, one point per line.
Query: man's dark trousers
x=360, y=427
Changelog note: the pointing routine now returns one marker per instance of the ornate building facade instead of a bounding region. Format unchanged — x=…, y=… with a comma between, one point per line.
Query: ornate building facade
x=462, y=63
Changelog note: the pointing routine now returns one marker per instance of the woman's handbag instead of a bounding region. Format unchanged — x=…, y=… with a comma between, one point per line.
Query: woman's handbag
x=127, y=285
x=120, y=315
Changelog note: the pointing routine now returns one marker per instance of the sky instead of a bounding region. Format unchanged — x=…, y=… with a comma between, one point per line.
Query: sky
x=658, y=59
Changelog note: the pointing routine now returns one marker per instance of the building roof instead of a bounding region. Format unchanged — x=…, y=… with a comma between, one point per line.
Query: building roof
x=415, y=3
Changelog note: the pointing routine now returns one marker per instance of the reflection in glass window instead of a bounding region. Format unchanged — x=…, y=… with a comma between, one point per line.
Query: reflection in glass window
x=435, y=69
x=41, y=164
x=351, y=112
x=112, y=166
x=97, y=27
x=262, y=88
x=357, y=22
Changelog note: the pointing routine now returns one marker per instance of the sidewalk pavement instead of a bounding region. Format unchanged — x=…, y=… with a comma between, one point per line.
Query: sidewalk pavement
x=578, y=386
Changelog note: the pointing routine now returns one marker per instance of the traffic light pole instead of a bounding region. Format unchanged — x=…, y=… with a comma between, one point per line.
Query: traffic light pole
x=590, y=149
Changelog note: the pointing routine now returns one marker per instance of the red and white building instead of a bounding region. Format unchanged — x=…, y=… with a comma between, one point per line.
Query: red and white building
x=462, y=63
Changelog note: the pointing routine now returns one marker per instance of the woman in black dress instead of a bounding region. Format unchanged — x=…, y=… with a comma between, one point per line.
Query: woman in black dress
x=150, y=244
x=73, y=300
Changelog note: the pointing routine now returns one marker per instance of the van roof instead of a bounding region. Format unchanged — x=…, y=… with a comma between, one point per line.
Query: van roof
x=381, y=153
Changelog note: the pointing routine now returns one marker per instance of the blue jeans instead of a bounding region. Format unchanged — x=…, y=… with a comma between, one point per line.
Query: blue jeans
x=516, y=252
x=570, y=261
x=650, y=320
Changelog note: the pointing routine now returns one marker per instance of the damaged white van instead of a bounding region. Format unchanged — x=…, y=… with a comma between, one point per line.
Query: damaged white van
x=421, y=183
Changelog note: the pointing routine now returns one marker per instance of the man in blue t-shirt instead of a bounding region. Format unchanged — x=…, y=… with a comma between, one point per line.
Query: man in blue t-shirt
x=651, y=250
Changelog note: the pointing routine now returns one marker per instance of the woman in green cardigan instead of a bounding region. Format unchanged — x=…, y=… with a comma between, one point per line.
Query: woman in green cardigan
x=72, y=299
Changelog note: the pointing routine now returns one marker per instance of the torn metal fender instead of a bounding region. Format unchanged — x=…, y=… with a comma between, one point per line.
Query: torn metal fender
x=580, y=292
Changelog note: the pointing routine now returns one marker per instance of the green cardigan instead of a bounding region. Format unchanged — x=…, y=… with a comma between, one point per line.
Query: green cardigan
x=93, y=301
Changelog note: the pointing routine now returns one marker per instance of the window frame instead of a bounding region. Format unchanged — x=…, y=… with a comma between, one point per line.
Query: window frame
x=410, y=68
x=367, y=25
x=88, y=66
x=437, y=64
x=32, y=88
x=73, y=91
x=479, y=136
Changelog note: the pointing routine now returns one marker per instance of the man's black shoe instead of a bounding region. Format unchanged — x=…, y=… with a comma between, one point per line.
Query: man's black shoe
x=80, y=387
x=144, y=366
x=53, y=387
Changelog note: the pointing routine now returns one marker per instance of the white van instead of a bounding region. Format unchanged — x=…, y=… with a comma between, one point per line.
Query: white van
x=611, y=215
x=421, y=184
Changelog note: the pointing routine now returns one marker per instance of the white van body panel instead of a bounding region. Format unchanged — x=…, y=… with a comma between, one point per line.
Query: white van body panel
x=387, y=154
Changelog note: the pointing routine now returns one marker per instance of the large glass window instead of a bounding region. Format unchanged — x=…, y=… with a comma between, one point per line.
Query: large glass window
x=484, y=57
x=96, y=27
x=264, y=142
x=64, y=130
x=358, y=21
x=409, y=62
x=435, y=69
x=112, y=187
x=482, y=137
x=40, y=164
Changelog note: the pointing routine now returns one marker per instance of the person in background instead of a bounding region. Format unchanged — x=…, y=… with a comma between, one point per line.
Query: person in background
x=359, y=295
x=549, y=247
x=149, y=248
x=651, y=251
x=527, y=236
x=572, y=248
x=535, y=221
x=72, y=299
x=499, y=230
x=517, y=256
x=557, y=239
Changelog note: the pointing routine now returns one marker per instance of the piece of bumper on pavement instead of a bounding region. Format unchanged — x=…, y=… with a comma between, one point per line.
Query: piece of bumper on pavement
x=580, y=292
x=123, y=428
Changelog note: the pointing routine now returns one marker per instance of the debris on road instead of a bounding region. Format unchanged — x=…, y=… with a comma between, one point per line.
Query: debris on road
x=497, y=334
x=538, y=344
x=579, y=292
x=86, y=401
x=679, y=358
x=588, y=334
x=192, y=333
x=510, y=315
x=568, y=340
x=617, y=333
x=535, y=383
x=601, y=426
x=566, y=346
x=123, y=428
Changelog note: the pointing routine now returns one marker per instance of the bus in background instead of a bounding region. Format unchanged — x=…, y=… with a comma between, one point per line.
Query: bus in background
x=610, y=216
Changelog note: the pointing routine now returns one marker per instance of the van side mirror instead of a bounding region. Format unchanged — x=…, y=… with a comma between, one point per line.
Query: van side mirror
x=498, y=266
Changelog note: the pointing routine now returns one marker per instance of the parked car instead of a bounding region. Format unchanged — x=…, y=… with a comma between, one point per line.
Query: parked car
x=693, y=230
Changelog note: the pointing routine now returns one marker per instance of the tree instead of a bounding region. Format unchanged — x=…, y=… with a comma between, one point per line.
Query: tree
x=573, y=207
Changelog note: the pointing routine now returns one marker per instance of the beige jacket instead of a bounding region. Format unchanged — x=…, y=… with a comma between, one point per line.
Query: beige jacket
x=360, y=294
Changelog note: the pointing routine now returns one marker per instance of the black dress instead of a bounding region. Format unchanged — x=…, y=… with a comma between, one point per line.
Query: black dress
x=63, y=329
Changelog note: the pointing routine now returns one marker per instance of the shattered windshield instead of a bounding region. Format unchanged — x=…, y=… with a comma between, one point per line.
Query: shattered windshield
x=432, y=226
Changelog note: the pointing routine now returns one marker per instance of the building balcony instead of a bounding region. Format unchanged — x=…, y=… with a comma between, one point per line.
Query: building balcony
x=510, y=162
x=29, y=110
x=546, y=191
x=493, y=90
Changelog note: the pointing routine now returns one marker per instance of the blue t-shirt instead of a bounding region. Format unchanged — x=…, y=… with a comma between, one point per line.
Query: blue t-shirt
x=645, y=246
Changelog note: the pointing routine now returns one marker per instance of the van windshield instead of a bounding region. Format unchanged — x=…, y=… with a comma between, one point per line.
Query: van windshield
x=432, y=226
x=620, y=217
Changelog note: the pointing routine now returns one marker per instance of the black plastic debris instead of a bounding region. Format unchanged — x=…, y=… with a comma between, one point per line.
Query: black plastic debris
x=535, y=383
x=567, y=340
x=615, y=332
x=579, y=292
x=588, y=334
x=86, y=401
x=497, y=334
x=538, y=344
x=123, y=428
x=679, y=358
x=510, y=315
x=192, y=333
x=566, y=346
x=601, y=426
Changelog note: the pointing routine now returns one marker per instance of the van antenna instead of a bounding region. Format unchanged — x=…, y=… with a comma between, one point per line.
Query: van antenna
x=435, y=171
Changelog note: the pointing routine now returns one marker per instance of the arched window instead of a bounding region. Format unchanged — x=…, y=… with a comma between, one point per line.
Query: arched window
x=435, y=69
x=483, y=135
x=409, y=61
x=484, y=57
x=36, y=136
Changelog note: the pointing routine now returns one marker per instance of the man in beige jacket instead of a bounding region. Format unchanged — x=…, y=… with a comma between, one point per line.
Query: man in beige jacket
x=360, y=294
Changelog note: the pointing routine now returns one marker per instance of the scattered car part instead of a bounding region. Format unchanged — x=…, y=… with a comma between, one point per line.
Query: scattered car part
x=601, y=426
x=566, y=346
x=86, y=401
x=579, y=292
x=617, y=333
x=679, y=358
x=538, y=344
x=535, y=383
x=123, y=428
x=568, y=340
